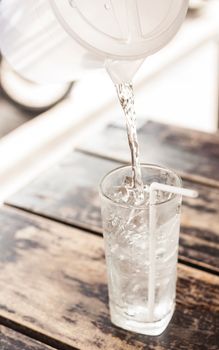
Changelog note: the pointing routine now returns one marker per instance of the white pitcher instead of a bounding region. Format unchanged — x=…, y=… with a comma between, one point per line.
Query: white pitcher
x=57, y=40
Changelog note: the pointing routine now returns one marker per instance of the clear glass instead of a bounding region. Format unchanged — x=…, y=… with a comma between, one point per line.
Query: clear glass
x=127, y=242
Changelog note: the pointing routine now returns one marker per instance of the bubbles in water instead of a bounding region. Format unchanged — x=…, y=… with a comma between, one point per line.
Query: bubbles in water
x=72, y=3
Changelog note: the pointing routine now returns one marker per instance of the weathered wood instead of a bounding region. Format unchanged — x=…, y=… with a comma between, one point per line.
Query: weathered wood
x=69, y=193
x=199, y=233
x=193, y=154
x=11, y=340
x=53, y=280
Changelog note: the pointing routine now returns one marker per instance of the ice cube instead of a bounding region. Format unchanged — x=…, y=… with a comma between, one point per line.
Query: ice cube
x=121, y=194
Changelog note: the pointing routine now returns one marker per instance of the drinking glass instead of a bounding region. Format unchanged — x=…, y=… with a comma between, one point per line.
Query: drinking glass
x=141, y=265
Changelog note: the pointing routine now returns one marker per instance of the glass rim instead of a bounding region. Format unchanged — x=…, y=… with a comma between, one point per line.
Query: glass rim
x=141, y=207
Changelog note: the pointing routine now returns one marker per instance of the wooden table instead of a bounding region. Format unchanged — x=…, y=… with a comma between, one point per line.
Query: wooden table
x=53, y=290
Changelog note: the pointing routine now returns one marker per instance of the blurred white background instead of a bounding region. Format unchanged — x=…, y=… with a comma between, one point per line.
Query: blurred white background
x=178, y=85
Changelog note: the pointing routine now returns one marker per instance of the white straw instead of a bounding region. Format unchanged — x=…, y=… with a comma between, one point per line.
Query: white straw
x=152, y=257
x=152, y=240
x=172, y=189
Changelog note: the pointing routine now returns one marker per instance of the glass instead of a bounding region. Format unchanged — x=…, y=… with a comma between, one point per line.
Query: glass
x=134, y=304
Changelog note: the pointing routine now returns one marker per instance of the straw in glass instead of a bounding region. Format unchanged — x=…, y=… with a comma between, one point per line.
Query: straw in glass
x=155, y=186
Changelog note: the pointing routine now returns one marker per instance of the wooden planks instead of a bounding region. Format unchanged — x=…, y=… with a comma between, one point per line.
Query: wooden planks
x=53, y=281
x=11, y=340
x=193, y=154
x=69, y=193
x=199, y=232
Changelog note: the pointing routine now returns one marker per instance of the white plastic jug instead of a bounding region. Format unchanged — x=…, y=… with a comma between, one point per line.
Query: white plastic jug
x=57, y=40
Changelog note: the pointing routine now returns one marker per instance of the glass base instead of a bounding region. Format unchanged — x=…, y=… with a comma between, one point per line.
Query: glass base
x=147, y=328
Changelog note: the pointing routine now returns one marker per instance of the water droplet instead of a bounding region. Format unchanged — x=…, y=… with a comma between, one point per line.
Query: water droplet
x=107, y=6
x=72, y=3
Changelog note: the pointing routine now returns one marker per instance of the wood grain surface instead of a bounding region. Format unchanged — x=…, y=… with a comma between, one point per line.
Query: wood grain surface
x=11, y=340
x=69, y=193
x=53, y=281
x=193, y=154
